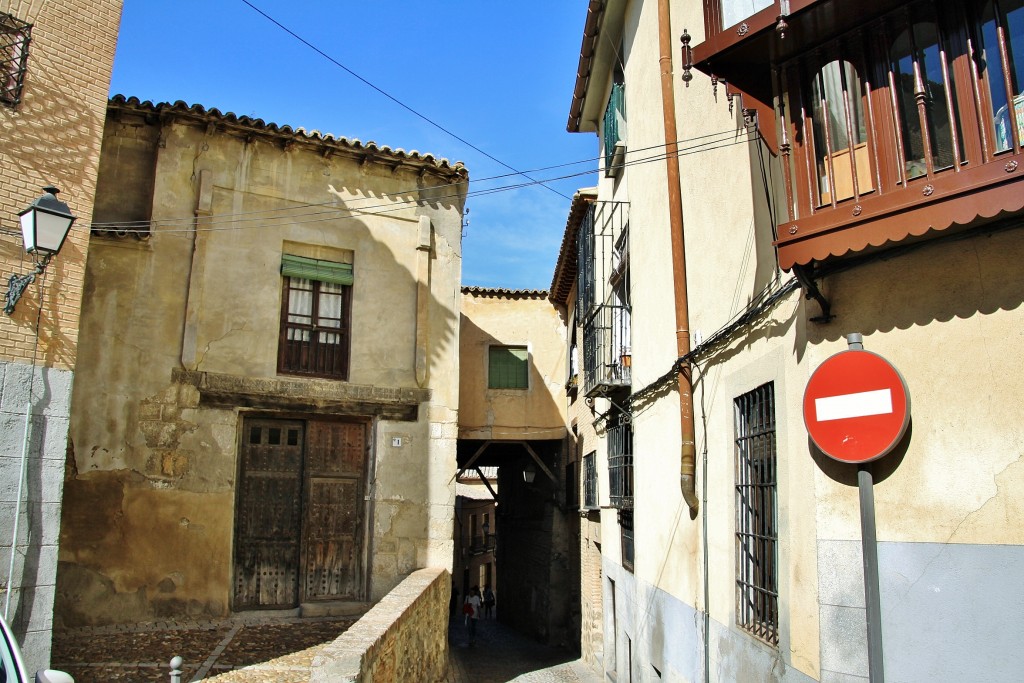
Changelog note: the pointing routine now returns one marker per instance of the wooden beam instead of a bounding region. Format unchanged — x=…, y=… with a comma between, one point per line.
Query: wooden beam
x=479, y=452
x=494, y=494
x=537, y=460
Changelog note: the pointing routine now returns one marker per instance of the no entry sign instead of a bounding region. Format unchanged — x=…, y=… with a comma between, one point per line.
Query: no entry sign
x=856, y=406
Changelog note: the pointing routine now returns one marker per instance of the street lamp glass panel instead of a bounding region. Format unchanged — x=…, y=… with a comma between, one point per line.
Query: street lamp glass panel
x=45, y=223
x=44, y=231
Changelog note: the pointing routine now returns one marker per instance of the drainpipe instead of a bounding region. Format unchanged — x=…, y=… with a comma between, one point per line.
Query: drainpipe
x=688, y=459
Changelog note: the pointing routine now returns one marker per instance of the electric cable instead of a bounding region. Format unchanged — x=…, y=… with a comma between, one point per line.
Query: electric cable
x=331, y=203
x=392, y=97
x=331, y=213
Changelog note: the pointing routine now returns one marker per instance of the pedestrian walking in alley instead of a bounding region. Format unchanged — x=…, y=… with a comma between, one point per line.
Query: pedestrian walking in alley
x=471, y=609
x=488, y=602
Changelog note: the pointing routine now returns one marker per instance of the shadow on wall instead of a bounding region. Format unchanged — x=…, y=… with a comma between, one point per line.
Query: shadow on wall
x=503, y=409
x=955, y=278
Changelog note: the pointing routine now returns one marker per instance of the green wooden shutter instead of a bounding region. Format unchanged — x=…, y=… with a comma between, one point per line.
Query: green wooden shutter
x=508, y=367
x=615, y=112
x=315, y=269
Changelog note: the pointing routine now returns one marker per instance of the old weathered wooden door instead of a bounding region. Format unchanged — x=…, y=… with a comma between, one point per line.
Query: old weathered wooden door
x=268, y=514
x=332, y=528
x=300, y=503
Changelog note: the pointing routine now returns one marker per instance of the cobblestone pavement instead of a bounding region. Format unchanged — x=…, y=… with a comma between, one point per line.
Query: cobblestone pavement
x=281, y=650
x=500, y=654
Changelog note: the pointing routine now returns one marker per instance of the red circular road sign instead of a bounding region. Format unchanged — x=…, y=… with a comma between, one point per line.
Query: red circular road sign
x=856, y=406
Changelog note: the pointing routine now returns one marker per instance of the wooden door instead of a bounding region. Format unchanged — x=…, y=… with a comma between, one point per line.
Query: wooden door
x=268, y=515
x=332, y=542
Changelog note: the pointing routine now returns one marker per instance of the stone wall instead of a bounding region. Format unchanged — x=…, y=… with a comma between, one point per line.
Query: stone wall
x=403, y=638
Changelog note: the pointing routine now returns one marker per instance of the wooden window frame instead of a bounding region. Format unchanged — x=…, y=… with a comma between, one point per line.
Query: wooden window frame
x=314, y=363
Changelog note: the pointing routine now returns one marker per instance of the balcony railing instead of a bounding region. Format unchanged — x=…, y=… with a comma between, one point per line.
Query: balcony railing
x=620, y=464
x=482, y=543
x=606, y=349
x=602, y=254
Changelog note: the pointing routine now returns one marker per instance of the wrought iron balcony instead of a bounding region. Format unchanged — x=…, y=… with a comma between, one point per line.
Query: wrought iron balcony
x=482, y=543
x=606, y=352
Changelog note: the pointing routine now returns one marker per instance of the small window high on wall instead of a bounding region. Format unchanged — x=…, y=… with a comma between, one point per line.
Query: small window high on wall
x=508, y=367
x=315, y=317
x=14, y=38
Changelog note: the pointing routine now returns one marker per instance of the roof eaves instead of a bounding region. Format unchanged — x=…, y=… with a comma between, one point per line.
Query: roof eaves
x=197, y=112
x=564, y=276
x=587, y=49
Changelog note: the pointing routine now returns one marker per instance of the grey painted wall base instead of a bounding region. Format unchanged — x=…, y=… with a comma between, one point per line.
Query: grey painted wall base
x=665, y=634
x=950, y=612
x=35, y=566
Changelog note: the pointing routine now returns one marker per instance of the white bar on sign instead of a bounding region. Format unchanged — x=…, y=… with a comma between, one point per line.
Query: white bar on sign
x=860, y=404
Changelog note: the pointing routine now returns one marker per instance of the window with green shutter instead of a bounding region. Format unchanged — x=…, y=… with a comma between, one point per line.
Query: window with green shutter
x=315, y=317
x=508, y=367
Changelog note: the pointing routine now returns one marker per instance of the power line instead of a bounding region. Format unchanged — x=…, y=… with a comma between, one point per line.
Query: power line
x=705, y=143
x=391, y=97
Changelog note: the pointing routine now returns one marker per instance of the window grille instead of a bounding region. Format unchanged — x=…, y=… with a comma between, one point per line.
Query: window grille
x=757, y=596
x=14, y=39
x=620, y=463
x=590, y=481
x=508, y=367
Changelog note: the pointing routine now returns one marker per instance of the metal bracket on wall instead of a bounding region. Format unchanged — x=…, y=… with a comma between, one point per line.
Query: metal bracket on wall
x=806, y=279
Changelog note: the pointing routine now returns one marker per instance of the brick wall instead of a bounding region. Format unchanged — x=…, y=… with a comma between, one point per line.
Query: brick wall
x=404, y=638
x=53, y=136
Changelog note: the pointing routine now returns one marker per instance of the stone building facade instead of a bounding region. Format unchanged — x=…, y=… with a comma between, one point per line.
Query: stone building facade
x=54, y=77
x=267, y=418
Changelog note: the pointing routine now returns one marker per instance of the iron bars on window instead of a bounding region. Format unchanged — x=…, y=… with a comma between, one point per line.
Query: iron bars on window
x=757, y=589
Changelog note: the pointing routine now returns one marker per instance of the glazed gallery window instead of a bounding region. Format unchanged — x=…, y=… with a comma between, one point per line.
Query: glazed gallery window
x=1001, y=25
x=315, y=317
x=840, y=134
x=14, y=39
x=508, y=367
x=924, y=90
x=757, y=532
x=735, y=11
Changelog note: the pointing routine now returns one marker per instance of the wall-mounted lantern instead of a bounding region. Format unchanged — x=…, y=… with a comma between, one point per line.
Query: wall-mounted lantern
x=44, y=227
x=529, y=473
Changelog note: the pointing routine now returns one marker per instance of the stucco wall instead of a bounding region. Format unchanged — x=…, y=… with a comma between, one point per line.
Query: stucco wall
x=494, y=319
x=182, y=333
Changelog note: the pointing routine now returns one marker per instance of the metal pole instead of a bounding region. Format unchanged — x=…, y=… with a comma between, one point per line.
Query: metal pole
x=872, y=600
x=17, y=505
x=869, y=548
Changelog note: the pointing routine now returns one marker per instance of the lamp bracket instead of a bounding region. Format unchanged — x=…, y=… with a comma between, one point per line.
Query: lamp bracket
x=17, y=284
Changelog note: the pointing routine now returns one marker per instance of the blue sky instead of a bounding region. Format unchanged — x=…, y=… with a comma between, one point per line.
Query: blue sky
x=497, y=74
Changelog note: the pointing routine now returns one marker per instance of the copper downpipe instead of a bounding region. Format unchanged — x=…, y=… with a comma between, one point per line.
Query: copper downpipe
x=688, y=459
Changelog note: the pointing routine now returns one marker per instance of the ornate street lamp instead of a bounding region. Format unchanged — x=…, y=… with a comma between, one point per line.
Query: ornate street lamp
x=44, y=227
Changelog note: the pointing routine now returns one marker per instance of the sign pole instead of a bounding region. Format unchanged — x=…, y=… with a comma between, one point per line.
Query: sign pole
x=869, y=549
x=872, y=600
x=857, y=409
